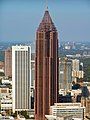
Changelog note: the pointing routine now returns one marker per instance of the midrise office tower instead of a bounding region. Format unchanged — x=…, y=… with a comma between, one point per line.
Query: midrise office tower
x=46, y=63
x=21, y=78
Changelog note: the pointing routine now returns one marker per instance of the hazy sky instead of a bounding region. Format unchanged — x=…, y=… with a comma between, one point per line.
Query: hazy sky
x=19, y=19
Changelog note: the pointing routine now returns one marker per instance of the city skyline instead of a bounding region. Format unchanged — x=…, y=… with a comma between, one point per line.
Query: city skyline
x=45, y=67
x=19, y=24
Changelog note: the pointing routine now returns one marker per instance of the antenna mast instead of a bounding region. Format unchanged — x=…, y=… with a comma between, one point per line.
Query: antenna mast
x=46, y=4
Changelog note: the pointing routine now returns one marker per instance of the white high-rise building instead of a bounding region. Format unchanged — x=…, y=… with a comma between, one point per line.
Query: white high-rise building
x=21, y=77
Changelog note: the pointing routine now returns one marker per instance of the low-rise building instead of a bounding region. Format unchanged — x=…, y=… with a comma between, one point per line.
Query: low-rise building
x=6, y=104
x=51, y=117
x=4, y=89
x=1, y=65
x=86, y=103
x=6, y=81
x=68, y=109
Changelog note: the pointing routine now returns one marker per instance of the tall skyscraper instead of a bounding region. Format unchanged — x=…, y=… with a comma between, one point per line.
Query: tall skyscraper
x=21, y=72
x=8, y=62
x=46, y=67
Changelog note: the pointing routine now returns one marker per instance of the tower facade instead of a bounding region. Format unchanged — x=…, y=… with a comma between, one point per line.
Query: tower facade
x=46, y=67
x=21, y=72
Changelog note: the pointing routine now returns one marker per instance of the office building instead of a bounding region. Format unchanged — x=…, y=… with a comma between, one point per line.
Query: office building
x=8, y=62
x=4, y=90
x=85, y=102
x=68, y=109
x=65, y=75
x=21, y=72
x=32, y=87
x=6, y=104
x=75, y=65
x=77, y=70
x=33, y=70
x=46, y=67
x=88, y=106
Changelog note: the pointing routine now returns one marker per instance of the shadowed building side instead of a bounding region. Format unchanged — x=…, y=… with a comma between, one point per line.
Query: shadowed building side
x=46, y=63
x=8, y=62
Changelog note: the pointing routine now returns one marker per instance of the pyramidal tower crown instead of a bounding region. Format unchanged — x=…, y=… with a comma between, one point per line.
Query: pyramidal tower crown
x=46, y=23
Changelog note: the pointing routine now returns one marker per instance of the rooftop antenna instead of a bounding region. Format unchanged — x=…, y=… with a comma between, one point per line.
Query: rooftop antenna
x=46, y=5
